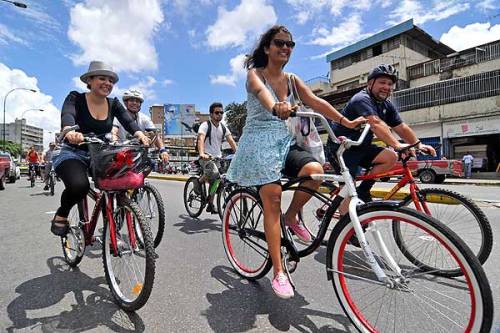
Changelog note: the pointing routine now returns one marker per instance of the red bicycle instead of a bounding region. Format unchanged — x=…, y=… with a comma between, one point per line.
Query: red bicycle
x=456, y=211
x=127, y=242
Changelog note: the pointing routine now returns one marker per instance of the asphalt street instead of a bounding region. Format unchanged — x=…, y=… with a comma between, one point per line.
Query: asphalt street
x=195, y=288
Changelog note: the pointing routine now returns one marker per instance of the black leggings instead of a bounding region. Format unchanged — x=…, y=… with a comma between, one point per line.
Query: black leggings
x=74, y=175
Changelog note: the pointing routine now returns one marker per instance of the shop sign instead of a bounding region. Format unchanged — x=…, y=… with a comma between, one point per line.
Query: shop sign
x=469, y=127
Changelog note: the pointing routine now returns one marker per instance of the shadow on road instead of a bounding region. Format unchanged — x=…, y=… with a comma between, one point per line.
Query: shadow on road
x=189, y=225
x=236, y=308
x=90, y=312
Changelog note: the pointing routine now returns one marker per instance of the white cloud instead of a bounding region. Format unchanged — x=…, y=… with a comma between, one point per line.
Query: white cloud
x=167, y=82
x=6, y=36
x=241, y=25
x=471, y=35
x=347, y=32
x=79, y=84
x=487, y=5
x=237, y=72
x=420, y=13
x=20, y=101
x=118, y=32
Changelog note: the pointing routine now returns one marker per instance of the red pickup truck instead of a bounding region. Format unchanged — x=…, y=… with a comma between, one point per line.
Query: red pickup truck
x=434, y=171
x=4, y=170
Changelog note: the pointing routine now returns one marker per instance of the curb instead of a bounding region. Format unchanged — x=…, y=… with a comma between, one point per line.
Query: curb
x=375, y=192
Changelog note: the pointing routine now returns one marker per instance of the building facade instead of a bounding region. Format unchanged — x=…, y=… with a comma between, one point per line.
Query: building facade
x=25, y=135
x=451, y=99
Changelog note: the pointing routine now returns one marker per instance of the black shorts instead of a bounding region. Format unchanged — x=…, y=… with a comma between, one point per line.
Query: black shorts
x=296, y=159
x=355, y=158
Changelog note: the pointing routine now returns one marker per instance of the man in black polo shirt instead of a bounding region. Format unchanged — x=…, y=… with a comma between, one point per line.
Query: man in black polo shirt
x=372, y=104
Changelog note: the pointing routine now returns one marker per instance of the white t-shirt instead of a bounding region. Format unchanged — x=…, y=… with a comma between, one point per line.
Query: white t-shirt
x=468, y=159
x=143, y=121
x=215, y=148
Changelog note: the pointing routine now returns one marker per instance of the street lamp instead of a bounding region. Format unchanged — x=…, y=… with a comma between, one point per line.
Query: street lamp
x=5, y=100
x=17, y=4
x=22, y=117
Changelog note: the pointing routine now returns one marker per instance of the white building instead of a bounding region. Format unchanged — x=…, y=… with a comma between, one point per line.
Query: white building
x=451, y=99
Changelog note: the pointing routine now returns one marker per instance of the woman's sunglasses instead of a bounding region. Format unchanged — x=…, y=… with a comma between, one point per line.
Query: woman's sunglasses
x=280, y=43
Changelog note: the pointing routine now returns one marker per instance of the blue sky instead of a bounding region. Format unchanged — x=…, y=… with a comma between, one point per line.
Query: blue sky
x=191, y=52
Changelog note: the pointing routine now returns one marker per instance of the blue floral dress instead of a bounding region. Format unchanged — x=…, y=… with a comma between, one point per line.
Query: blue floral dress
x=263, y=146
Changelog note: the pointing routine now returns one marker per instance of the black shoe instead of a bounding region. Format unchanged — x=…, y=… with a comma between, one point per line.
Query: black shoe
x=59, y=228
x=46, y=188
x=365, y=196
x=211, y=209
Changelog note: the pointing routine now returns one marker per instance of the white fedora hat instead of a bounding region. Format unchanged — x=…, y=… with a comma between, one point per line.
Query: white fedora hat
x=99, y=68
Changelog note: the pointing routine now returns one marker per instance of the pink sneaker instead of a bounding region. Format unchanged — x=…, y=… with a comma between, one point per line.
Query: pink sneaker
x=300, y=231
x=281, y=286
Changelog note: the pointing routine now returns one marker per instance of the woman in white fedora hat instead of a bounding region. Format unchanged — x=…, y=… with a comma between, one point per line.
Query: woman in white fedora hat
x=93, y=112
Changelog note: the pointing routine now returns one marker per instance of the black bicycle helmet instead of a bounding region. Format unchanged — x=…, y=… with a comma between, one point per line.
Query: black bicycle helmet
x=384, y=70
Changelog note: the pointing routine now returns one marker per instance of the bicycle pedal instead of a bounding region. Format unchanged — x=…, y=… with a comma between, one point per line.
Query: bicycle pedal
x=98, y=239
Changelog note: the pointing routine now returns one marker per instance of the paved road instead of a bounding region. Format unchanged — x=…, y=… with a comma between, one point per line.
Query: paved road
x=195, y=290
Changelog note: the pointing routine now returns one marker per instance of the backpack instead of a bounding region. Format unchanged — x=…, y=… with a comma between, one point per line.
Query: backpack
x=209, y=132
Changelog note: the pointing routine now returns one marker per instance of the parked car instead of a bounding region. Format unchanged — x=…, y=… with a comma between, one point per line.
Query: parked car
x=13, y=173
x=433, y=171
x=4, y=169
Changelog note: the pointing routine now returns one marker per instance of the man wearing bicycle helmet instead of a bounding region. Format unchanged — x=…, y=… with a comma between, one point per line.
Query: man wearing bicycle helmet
x=373, y=104
x=133, y=101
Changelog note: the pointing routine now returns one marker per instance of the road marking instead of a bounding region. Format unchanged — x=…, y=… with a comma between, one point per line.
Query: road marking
x=51, y=212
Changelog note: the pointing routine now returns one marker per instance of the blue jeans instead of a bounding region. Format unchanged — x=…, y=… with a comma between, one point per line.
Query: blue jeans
x=468, y=170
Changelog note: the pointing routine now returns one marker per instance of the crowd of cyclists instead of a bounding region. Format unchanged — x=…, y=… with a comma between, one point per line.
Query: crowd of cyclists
x=266, y=150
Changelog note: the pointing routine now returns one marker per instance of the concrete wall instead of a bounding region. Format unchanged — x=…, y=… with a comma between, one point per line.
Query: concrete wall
x=478, y=107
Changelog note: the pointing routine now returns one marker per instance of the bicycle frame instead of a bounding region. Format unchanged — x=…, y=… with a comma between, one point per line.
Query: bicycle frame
x=104, y=203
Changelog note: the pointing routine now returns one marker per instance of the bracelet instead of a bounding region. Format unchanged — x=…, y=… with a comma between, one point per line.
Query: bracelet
x=340, y=121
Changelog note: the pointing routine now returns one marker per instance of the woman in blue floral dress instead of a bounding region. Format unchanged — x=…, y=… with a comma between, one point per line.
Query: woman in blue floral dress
x=266, y=148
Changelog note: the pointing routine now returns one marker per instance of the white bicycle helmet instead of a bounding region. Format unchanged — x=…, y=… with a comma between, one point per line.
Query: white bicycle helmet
x=132, y=93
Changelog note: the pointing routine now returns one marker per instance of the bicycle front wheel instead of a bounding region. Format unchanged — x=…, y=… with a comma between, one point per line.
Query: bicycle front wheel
x=458, y=213
x=243, y=235
x=149, y=200
x=414, y=298
x=129, y=272
x=73, y=244
x=193, y=197
x=223, y=192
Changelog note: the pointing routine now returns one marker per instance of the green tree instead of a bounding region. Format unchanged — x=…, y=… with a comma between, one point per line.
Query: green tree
x=236, y=115
x=13, y=148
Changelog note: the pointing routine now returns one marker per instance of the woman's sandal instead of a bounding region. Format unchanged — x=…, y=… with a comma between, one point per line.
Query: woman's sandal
x=59, y=228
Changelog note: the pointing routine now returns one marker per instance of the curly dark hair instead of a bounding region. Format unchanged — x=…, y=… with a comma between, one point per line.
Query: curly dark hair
x=258, y=58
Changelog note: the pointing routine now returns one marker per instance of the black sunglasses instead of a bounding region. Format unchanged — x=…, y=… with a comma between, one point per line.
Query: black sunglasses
x=218, y=112
x=280, y=43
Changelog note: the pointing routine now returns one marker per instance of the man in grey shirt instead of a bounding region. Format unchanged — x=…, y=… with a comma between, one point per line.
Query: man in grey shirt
x=133, y=101
x=47, y=159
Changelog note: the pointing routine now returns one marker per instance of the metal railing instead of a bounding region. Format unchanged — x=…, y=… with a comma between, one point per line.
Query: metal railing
x=449, y=91
x=476, y=55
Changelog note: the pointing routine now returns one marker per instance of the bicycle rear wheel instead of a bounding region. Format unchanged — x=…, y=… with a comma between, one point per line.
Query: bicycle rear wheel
x=151, y=204
x=130, y=273
x=73, y=244
x=458, y=213
x=243, y=234
x=194, y=201
x=414, y=299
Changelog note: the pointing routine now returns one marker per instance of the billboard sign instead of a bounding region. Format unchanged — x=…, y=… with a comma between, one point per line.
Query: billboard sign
x=179, y=119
